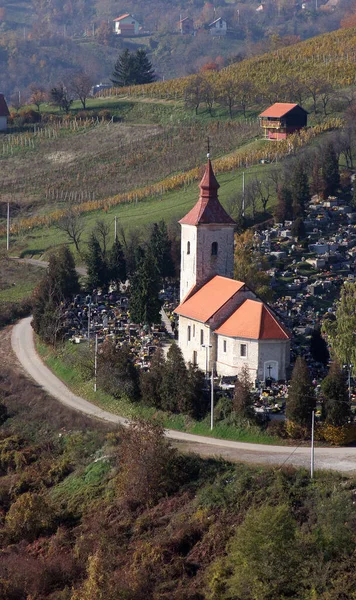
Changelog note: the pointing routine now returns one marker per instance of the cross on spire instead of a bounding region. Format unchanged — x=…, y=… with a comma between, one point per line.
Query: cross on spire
x=208, y=146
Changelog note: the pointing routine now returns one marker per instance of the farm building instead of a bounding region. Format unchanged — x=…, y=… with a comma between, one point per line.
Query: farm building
x=218, y=27
x=4, y=113
x=127, y=25
x=281, y=119
x=223, y=325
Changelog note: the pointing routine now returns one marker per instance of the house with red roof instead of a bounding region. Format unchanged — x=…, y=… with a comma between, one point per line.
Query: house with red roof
x=223, y=325
x=4, y=113
x=281, y=119
x=127, y=25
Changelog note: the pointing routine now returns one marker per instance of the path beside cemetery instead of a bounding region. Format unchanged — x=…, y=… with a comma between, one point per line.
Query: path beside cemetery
x=337, y=459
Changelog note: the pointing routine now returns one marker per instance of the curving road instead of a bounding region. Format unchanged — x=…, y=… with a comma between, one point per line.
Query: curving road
x=337, y=459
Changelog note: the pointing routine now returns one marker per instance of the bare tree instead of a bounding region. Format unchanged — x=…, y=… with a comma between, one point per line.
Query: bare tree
x=60, y=96
x=81, y=86
x=38, y=96
x=194, y=92
x=326, y=94
x=72, y=224
x=228, y=95
x=101, y=231
x=262, y=189
x=275, y=178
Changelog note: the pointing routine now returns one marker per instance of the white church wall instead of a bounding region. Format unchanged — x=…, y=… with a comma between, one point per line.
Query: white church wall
x=273, y=351
x=231, y=361
x=191, y=334
x=188, y=259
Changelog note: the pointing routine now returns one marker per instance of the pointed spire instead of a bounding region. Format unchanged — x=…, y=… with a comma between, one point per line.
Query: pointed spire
x=208, y=208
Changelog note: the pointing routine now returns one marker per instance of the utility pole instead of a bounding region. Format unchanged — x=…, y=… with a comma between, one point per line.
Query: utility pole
x=8, y=227
x=115, y=228
x=312, y=447
x=89, y=315
x=243, y=193
x=212, y=399
x=206, y=346
x=96, y=361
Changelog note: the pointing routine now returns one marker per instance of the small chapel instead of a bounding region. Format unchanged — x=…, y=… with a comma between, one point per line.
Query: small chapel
x=223, y=325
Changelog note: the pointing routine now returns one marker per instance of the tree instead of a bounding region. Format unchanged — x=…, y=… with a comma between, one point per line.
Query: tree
x=143, y=68
x=251, y=265
x=96, y=266
x=117, y=264
x=228, y=95
x=133, y=69
x=102, y=232
x=117, y=374
x=123, y=73
x=146, y=459
x=73, y=225
x=145, y=285
x=160, y=246
x=318, y=347
x=301, y=397
x=298, y=228
x=353, y=199
x=317, y=179
x=337, y=405
x=283, y=210
x=61, y=97
x=194, y=92
x=242, y=403
x=263, y=556
x=341, y=332
x=81, y=85
x=28, y=517
x=300, y=190
x=174, y=380
x=151, y=381
x=330, y=170
x=96, y=584
x=38, y=96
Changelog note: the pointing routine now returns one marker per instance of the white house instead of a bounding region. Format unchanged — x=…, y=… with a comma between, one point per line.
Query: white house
x=4, y=113
x=127, y=25
x=222, y=324
x=218, y=27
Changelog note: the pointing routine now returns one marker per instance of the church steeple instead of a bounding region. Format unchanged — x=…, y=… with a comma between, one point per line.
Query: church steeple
x=208, y=208
x=207, y=242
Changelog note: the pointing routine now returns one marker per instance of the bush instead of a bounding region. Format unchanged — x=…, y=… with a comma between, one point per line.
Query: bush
x=337, y=436
x=296, y=432
x=28, y=115
x=30, y=516
x=277, y=428
x=11, y=311
x=105, y=114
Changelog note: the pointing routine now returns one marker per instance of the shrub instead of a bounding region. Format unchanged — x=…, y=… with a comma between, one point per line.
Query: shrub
x=28, y=517
x=105, y=114
x=337, y=436
x=28, y=115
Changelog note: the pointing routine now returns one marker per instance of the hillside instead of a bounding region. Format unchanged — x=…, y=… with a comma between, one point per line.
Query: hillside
x=77, y=523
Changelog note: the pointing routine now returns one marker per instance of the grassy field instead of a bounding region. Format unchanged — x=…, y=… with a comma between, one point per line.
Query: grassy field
x=70, y=376
x=17, y=280
x=170, y=207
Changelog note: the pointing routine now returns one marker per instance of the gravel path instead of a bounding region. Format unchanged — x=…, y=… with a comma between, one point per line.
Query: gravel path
x=338, y=459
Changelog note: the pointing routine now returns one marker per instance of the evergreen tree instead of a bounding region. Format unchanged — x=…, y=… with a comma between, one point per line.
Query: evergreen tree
x=124, y=69
x=63, y=274
x=174, y=380
x=318, y=347
x=242, y=403
x=151, y=381
x=330, y=171
x=132, y=69
x=194, y=403
x=143, y=68
x=334, y=388
x=341, y=332
x=317, y=179
x=284, y=210
x=145, y=285
x=160, y=246
x=300, y=190
x=117, y=374
x=298, y=229
x=96, y=266
x=301, y=397
x=117, y=264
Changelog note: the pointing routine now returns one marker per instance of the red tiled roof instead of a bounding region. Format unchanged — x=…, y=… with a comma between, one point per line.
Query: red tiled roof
x=208, y=208
x=124, y=17
x=279, y=109
x=4, y=111
x=202, y=305
x=253, y=320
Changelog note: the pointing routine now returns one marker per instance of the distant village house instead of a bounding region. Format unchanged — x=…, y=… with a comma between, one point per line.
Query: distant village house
x=186, y=26
x=218, y=27
x=282, y=119
x=4, y=113
x=127, y=25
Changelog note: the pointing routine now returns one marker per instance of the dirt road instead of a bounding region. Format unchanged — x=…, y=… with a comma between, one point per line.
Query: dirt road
x=337, y=459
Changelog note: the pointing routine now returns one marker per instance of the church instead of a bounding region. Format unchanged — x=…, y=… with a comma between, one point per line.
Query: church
x=223, y=325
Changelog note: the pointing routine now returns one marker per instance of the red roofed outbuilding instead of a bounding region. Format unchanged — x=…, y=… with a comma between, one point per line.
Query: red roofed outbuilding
x=127, y=25
x=282, y=119
x=4, y=113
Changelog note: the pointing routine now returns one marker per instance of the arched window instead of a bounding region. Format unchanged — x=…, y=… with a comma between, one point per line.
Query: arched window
x=214, y=249
x=188, y=247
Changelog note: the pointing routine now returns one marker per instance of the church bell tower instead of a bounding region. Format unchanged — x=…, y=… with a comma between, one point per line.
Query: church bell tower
x=207, y=241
